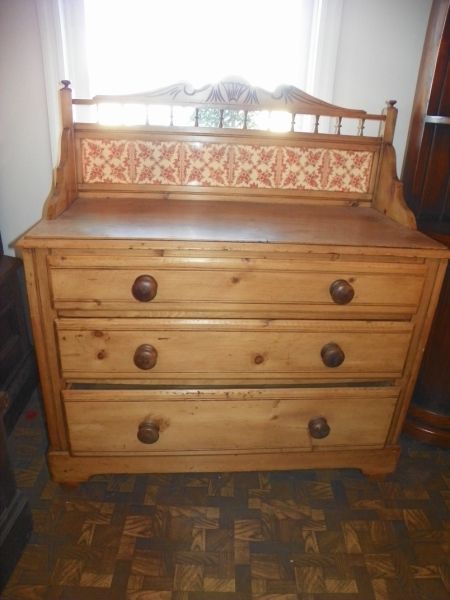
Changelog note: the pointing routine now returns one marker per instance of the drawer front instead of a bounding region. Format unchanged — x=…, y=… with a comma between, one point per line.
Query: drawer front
x=167, y=350
x=219, y=284
x=142, y=422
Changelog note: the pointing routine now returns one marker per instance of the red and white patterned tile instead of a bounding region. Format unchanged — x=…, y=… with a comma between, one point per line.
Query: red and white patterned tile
x=302, y=168
x=207, y=164
x=157, y=163
x=106, y=161
x=254, y=166
x=349, y=171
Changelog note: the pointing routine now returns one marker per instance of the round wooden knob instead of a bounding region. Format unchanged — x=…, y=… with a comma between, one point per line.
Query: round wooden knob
x=332, y=355
x=144, y=288
x=145, y=357
x=341, y=291
x=318, y=428
x=148, y=432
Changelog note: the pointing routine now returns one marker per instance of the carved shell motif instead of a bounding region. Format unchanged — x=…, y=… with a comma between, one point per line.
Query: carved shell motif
x=237, y=94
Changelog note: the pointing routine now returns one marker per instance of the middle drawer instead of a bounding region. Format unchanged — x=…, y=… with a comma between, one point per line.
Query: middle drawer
x=240, y=350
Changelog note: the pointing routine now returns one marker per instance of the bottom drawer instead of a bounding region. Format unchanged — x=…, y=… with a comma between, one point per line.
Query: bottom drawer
x=118, y=421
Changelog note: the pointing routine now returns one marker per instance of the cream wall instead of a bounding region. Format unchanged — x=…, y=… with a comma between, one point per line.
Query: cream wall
x=25, y=163
x=378, y=57
x=380, y=47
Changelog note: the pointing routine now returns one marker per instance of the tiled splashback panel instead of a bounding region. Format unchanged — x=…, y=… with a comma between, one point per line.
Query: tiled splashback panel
x=225, y=165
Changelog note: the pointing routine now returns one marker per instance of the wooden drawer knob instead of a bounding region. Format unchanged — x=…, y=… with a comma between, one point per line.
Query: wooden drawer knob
x=144, y=288
x=145, y=357
x=341, y=291
x=332, y=355
x=148, y=432
x=318, y=428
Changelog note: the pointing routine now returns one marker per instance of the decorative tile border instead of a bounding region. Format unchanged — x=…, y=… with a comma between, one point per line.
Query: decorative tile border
x=225, y=165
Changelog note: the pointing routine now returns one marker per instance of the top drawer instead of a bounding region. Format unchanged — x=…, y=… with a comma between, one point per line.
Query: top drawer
x=267, y=287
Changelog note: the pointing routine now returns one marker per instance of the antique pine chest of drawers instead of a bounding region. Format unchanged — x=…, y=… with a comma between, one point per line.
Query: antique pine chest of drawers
x=212, y=296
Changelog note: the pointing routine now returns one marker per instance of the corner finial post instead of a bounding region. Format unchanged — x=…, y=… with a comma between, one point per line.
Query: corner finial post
x=388, y=127
x=66, y=104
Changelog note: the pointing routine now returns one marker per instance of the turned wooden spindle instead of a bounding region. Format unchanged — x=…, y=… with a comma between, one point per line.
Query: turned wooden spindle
x=361, y=126
x=293, y=117
x=316, y=124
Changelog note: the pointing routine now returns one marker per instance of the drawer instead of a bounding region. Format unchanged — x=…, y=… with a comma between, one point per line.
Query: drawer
x=168, y=350
x=219, y=285
x=134, y=421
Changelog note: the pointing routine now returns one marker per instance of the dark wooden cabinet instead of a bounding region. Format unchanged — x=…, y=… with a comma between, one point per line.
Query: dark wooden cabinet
x=426, y=178
x=18, y=379
x=15, y=514
x=18, y=376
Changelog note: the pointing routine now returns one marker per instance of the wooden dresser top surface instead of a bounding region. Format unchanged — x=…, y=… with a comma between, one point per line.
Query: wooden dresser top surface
x=225, y=221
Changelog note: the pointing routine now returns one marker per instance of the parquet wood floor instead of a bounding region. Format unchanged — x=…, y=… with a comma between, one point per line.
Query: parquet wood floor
x=303, y=535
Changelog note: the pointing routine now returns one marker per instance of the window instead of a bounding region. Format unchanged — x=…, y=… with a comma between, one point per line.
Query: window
x=136, y=45
x=154, y=44
x=126, y=46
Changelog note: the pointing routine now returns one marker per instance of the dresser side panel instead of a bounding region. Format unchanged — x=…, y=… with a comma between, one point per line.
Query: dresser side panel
x=42, y=321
